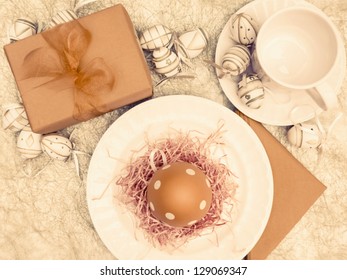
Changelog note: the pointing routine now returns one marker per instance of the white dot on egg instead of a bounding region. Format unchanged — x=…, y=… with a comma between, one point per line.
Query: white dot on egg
x=208, y=183
x=202, y=204
x=190, y=171
x=157, y=185
x=191, y=222
x=151, y=206
x=169, y=216
x=166, y=167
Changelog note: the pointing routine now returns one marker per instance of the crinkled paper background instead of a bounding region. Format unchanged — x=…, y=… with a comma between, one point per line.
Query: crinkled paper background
x=46, y=216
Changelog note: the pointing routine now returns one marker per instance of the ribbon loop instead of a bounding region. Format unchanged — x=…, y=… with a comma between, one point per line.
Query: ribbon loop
x=62, y=58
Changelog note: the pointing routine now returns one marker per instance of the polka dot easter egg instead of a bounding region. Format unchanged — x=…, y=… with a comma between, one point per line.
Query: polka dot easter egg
x=56, y=146
x=243, y=29
x=179, y=194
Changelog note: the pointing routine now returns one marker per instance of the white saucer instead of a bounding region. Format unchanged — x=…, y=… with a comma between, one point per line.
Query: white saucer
x=285, y=107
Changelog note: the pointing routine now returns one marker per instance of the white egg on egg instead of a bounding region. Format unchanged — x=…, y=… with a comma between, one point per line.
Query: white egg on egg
x=56, y=146
x=156, y=37
x=192, y=43
x=236, y=60
x=29, y=143
x=179, y=194
x=14, y=117
x=166, y=62
x=251, y=91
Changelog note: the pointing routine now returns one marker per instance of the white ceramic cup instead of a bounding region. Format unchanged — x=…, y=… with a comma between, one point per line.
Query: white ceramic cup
x=297, y=48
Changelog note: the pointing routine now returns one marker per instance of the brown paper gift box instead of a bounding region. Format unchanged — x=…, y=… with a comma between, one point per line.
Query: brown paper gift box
x=50, y=105
x=295, y=190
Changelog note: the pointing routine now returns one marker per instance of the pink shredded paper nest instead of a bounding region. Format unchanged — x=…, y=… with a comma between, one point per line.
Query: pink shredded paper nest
x=180, y=148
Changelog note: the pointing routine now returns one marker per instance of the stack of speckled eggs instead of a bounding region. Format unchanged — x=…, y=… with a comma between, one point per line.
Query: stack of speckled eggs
x=243, y=31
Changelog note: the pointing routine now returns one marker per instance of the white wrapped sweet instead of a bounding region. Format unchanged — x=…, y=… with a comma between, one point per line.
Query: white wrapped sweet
x=14, y=117
x=251, y=91
x=166, y=62
x=155, y=37
x=305, y=135
x=22, y=28
x=56, y=146
x=192, y=43
x=236, y=60
x=62, y=17
x=29, y=143
x=243, y=29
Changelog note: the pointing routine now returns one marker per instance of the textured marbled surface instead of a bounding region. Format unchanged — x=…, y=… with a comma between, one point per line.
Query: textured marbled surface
x=46, y=216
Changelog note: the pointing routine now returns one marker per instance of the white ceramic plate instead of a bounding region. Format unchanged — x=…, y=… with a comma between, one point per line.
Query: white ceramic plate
x=284, y=107
x=246, y=158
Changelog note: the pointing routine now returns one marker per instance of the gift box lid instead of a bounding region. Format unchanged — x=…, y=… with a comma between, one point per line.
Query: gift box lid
x=103, y=42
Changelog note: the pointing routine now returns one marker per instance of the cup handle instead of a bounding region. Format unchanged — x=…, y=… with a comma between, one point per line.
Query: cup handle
x=324, y=96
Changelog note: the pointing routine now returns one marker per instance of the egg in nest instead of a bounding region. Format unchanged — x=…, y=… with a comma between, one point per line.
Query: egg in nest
x=179, y=194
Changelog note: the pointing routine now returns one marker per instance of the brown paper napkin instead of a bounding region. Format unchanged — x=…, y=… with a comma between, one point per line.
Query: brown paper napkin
x=295, y=190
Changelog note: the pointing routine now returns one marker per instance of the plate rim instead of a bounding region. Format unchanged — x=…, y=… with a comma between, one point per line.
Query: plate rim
x=169, y=99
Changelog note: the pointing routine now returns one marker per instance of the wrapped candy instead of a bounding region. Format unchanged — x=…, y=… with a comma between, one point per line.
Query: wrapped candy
x=192, y=43
x=243, y=29
x=56, y=146
x=14, y=117
x=305, y=135
x=155, y=37
x=251, y=91
x=166, y=62
x=236, y=60
x=29, y=143
x=62, y=17
x=22, y=28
